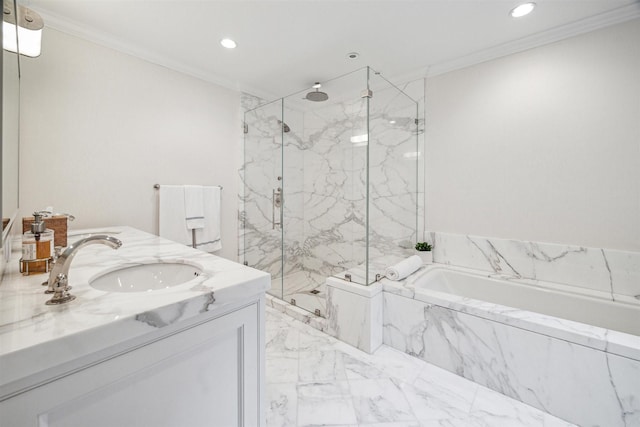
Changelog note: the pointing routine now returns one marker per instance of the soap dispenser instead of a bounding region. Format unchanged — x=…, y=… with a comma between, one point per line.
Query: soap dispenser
x=37, y=247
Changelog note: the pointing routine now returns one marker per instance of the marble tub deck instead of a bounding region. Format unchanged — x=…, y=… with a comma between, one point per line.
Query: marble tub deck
x=313, y=379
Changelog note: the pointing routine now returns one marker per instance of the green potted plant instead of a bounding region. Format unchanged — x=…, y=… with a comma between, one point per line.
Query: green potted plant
x=424, y=252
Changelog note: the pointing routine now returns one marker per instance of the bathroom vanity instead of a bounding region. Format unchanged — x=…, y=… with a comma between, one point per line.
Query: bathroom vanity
x=188, y=354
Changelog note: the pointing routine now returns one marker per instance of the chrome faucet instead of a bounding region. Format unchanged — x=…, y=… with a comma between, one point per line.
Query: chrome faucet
x=59, y=275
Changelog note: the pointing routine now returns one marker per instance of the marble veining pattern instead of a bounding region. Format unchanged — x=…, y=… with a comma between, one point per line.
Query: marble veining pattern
x=314, y=379
x=586, y=385
x=607, y=273
x=324, y=187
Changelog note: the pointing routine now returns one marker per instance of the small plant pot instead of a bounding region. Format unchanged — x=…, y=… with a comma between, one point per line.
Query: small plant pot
x=426, y=256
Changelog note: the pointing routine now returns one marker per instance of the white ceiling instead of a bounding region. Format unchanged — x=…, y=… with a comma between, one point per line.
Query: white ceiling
x=284, y=46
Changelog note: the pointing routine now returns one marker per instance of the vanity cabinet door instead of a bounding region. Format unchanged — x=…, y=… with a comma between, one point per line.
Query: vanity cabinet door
x=206, y=375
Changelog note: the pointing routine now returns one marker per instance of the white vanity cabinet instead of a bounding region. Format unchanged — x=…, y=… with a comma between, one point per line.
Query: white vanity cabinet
x=207, y=371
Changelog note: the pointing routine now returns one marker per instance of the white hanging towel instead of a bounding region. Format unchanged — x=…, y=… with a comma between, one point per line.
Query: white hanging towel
x=404, y=268
x=171, y=214
x=194, y=206
x=208, y=238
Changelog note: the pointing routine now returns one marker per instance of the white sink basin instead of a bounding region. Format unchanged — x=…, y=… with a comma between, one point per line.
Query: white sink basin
x=146, y=277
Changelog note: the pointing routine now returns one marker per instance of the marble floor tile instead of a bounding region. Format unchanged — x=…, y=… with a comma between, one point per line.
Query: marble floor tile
x=491, y=408
x=315, y=380
x=282, y=404
x=380, y=400
x=282, y=367
x=397, y=364
x=282, y=340
x=326, y=403
x=357, y=369
x=321, y=366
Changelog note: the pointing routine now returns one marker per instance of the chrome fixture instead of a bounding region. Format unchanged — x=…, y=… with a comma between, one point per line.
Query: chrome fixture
x=47, y=213
x=276, y=202
x=347, y=277
x=317, y=96
x=59, y=276
x=157, y=187
x=28, y=24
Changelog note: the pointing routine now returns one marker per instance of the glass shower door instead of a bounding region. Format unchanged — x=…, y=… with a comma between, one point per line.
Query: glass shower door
x=262, y=199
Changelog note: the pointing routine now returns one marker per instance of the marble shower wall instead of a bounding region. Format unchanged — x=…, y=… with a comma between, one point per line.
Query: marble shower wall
x=336, y=181
x=394, y=154
x=259, y=242
x=335, y=188
x=325, y=182
x=610, y=273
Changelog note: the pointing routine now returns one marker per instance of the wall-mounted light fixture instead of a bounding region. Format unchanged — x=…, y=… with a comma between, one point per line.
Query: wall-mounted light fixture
x=29, y=26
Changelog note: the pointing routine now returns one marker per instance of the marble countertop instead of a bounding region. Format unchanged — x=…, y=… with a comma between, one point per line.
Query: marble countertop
x=35, y=337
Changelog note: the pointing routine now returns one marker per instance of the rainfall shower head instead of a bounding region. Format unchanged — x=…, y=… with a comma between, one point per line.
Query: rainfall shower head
x=317, y=96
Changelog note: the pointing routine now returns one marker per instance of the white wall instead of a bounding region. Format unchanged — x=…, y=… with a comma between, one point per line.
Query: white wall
x=542, y=145
x=99, y=128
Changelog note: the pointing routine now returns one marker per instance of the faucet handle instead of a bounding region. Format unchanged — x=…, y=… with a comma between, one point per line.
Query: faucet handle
x=61, y=291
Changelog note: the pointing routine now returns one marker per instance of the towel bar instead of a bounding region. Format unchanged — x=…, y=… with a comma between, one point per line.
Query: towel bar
x=157, y=186
x=193, y=232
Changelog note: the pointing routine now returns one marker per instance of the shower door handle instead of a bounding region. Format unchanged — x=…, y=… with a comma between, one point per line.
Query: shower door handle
x=276, y=202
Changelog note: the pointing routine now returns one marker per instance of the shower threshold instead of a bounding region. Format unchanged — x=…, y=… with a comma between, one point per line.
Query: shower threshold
x=303, y=289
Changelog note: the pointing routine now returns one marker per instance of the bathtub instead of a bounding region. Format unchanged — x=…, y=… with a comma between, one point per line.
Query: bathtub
x=573, y=353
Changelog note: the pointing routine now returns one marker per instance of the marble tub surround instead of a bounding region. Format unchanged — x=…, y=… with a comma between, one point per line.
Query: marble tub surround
x=354, y=313
x=607, y=272
x=314, y=379
x=620, y=343
x=581, y=373
x=96, y=319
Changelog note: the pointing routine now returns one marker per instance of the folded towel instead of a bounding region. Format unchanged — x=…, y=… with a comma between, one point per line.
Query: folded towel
x=171, y=214
x=194, y=206
x=208, y=238
x=404, y=268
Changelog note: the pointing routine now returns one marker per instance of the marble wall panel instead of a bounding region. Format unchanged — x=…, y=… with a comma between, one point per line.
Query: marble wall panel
x=607, y=271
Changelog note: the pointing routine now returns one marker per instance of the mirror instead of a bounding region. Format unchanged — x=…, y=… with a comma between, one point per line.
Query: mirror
x=10, y=129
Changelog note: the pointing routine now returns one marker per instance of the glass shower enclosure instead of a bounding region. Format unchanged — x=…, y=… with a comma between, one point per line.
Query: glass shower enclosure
x=330, y=186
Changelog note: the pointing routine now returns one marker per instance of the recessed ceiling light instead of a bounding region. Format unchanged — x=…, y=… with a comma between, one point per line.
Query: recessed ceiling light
x=392, y=122
x=522, y=10
x=353, y=55
x=228, y=43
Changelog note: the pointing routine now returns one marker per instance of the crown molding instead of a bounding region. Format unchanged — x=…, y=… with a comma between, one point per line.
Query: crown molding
x=616, y=16
x=70, y=27
x=612, y=17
